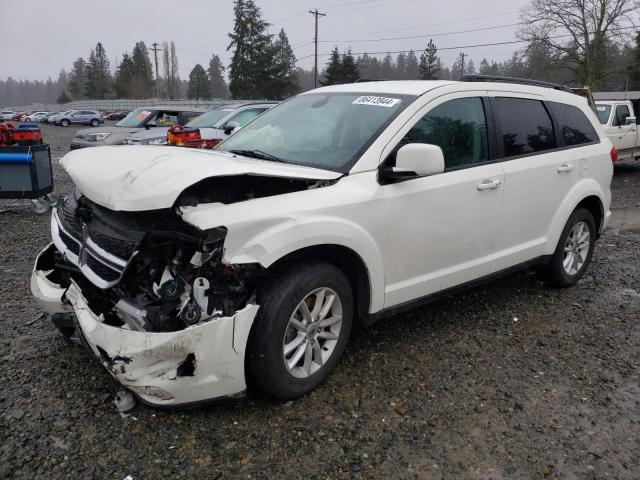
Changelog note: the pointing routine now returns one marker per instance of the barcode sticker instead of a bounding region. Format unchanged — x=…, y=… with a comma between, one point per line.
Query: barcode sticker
x=376, y=101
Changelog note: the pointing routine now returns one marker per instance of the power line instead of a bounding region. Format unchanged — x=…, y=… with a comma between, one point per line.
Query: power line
x=429, y=35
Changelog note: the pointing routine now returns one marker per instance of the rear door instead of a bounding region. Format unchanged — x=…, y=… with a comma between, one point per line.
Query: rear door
x=542, y=159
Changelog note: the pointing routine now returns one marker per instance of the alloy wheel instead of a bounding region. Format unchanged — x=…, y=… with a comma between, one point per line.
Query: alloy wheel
x=576, y=248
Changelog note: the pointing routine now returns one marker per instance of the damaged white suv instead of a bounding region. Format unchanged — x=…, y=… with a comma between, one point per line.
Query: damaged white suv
x=189, y=274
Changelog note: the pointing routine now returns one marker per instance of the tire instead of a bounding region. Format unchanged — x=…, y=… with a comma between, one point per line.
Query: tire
x=280, y=298
x=561, y=272
x=64, y=123
x=95, y=123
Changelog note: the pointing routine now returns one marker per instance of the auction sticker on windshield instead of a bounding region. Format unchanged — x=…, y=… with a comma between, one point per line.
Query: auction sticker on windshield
x=377, y=101
x=143, y=114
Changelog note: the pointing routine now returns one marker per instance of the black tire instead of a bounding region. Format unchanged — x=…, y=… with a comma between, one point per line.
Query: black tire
x=554, y=272
x=64, y=123
x=95, y=123
x=278, y=298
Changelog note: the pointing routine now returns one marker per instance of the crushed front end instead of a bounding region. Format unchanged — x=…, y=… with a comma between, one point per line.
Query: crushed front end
x=149, y=296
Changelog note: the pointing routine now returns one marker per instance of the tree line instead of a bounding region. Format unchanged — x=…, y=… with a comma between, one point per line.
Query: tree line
x=583, y=46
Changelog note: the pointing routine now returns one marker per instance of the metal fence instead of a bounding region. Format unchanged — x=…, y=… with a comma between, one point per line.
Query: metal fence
x=122, y=104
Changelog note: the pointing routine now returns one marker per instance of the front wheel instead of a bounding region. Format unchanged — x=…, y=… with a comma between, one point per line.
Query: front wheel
x=95, y=123
x=301, y=331
x=573, y=252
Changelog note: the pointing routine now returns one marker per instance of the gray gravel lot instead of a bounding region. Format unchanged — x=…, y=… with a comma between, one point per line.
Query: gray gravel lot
x=510, y=380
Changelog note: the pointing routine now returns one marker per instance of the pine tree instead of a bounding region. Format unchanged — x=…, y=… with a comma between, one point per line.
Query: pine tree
x=429, y=62
x=413, y=68
x=284, y=82
x=333, y=70
x=63, y=98
x=251, y=66
x=124, y=77
x=217, y=85
x=78, y=78
x=98, y=75
x=142, y=79
x=349, y=68
x=198, y=84
x=401, y=67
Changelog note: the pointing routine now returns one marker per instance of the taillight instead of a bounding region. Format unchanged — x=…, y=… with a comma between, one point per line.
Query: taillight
x=614, y=155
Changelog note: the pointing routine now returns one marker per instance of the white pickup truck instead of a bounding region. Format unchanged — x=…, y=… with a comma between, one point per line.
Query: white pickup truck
x=620, y=123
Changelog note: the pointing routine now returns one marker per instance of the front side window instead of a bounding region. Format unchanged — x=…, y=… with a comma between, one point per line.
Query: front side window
x=323, y=130
x=575, y=128
x=526, y=126
x=622, y=112
x=458, y=127
x=209, y=119
x=246, y=116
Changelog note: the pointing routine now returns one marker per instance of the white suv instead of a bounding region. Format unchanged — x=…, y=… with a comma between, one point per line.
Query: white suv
x=189, y=273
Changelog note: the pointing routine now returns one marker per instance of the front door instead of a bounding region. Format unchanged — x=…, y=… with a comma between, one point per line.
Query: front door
x=444, y=229
x=622, y=136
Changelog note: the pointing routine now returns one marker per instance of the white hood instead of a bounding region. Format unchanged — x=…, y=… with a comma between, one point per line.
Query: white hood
x=136, y=178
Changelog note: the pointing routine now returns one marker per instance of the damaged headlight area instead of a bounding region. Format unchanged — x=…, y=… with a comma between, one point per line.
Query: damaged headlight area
x=147, y=271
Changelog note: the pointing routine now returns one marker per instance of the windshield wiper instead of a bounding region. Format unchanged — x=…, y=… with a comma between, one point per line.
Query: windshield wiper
x=258, y=154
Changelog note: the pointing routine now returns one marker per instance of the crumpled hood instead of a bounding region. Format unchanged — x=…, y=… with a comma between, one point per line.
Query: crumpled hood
x=136, y=178
x=108, y=129
x=155, y=132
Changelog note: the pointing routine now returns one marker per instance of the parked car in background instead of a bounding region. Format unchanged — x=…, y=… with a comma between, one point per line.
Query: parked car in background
x=620, y=122
x=115, y=116
x=18, y=115
x=218, y=124
x=36, y=117
x=7, y=114
x=80, y=117
x=53, y=118
x=191, y=273
x=135, y=121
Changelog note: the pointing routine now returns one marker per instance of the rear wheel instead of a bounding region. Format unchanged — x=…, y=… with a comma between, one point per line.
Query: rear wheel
x=573, y=252
x=64, y=123
x=301, y=330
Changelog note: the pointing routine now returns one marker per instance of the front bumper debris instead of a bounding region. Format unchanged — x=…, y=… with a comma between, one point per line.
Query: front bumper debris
x=200, y=363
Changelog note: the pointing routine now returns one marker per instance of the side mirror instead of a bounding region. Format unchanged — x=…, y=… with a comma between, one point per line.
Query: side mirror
x=417, y=160
x=230, y=126
x=630, y=121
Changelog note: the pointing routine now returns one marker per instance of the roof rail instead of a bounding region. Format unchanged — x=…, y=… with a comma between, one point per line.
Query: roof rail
x=520, y=81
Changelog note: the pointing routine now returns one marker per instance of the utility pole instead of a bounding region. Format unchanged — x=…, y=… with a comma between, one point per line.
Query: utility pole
x=462, y=55
x=316, y=14
x=155, y=54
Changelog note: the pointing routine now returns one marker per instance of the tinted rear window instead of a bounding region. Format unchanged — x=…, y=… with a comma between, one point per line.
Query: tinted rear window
x=526, y=126
x=575, y=128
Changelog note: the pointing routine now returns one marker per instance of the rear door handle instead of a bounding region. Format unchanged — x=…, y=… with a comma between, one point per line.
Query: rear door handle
x=489, y=184
x=565, y=167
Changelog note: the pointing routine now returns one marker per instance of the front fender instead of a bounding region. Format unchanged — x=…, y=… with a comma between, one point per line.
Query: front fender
x=586, y=188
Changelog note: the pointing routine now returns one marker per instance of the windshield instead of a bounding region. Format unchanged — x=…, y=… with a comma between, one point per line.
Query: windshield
x=135, y=119
x=210, y=118
x=603, y=113
x=323, y=130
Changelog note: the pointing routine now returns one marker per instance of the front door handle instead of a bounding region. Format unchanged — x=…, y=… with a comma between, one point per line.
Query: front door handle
x=565, y=167
x=489, y=184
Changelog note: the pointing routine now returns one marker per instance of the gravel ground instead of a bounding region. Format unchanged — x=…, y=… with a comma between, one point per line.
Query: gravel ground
x=510, y=380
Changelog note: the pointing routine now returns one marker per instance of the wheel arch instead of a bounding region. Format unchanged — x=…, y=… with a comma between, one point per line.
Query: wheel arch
x=344, y=258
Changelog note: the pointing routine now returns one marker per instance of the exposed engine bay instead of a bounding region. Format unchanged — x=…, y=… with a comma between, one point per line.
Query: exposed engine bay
x=146, y=271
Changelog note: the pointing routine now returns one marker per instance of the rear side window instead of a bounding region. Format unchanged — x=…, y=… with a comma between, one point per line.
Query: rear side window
x=458, y=127
x=622, y=112
x=526, y=126
x=575, y=128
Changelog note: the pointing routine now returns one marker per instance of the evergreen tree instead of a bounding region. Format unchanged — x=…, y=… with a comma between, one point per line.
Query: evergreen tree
x=251, y=66
x=429, y=62
x=198, y=84
x=284, y=82
x=63, y=97
x=141, y=85
x=333, y=70
x=413, y=68
x=98, y=75
x=387, y=68
x=401, y=67
x=78, y=78
x=634, y=66
x=217, y=85
x=349, y=68
x=124, y=77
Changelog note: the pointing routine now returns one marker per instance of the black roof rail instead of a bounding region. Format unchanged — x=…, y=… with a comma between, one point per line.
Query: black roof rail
x=520, y=81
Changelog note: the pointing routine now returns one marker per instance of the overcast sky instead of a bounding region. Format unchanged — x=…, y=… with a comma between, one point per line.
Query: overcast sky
x=39, y=37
